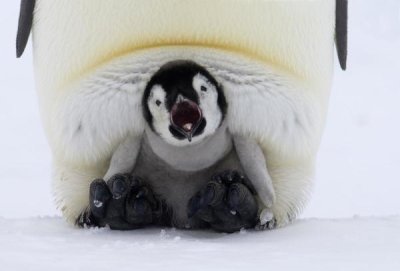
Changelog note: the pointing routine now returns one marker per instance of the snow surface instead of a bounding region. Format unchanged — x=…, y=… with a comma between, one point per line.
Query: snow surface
x=353, y=244
x=357, y=175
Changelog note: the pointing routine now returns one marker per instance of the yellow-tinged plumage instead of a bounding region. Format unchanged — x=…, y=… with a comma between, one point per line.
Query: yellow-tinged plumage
x=84, y=51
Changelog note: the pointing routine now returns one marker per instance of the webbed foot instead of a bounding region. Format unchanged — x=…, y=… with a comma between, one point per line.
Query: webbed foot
x=227, y=203
x=122, y=203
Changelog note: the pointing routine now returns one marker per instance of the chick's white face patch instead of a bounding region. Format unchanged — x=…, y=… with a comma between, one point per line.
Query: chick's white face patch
x=208, y=101
x=156, y=104
x=159, y=112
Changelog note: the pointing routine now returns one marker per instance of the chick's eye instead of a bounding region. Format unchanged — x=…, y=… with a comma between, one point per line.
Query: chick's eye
x=158, y=102
x=203, y=88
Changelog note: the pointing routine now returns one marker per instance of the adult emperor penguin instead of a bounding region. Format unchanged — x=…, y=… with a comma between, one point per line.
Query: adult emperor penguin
x=95, y=60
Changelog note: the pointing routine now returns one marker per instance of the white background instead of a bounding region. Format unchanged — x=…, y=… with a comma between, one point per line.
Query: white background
x=357, y=175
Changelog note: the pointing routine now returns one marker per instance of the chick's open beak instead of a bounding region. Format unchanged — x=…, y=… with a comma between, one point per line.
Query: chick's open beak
x=186, y=117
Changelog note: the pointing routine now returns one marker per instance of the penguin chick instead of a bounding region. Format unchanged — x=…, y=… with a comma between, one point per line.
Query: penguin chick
x=187, y=158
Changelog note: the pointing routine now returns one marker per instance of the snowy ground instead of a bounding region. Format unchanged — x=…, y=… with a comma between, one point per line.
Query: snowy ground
x=353, y=244
x=358, y=174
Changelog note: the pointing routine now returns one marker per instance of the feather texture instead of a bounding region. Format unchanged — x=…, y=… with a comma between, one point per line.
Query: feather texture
x=93, y=59
x=263, y=104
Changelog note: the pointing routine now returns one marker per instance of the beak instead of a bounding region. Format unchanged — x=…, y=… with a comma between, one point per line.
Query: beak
x=186, y=117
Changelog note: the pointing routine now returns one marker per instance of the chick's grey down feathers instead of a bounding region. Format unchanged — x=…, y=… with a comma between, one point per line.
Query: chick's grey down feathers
x=177, y=173
x=175, y=188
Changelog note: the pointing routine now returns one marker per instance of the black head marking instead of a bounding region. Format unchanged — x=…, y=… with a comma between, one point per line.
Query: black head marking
x=176, y=78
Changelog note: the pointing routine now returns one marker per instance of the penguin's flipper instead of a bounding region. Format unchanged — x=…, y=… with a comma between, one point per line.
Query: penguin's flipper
x=24, y=25
x=341, y=31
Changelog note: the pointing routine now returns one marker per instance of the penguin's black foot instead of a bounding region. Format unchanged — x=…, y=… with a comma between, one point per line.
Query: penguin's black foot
x=227, y=203
x=123, y=203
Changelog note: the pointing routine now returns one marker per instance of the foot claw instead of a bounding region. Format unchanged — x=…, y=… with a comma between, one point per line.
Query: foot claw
x=97, y=203
x=233, y=197
x=270, y=225
x=140, y=194
x=119, y=185
x=266, y=216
